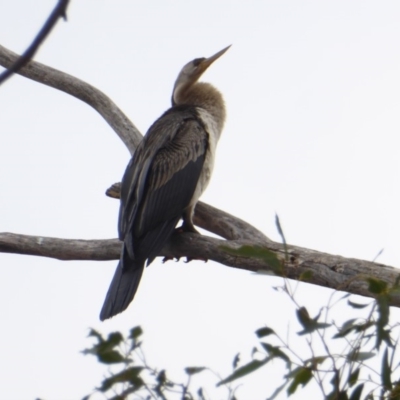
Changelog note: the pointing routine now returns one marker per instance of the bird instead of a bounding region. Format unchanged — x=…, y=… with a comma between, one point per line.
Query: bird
x=165, y=177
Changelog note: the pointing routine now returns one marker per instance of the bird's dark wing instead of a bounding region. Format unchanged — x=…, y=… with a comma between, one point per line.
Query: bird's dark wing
x=168, y=187
x=157, y=186
x=162, y=180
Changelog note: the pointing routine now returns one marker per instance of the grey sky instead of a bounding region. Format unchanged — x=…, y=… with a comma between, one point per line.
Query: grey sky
x=312, y=92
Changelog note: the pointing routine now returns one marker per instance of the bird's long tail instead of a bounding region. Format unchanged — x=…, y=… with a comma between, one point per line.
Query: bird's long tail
x=123, y=286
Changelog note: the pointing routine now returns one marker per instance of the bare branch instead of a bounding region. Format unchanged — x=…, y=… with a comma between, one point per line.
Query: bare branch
x=326, y=270
x=335, y=272
x=41, y=73
x=61, y=249
x=331, y=271
x=58, y=12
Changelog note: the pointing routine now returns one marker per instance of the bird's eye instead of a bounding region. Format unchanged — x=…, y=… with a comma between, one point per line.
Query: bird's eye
x=198, y=61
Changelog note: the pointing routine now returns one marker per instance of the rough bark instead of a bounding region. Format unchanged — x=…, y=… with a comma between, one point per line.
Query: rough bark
x=327, y=270
x=92, y=96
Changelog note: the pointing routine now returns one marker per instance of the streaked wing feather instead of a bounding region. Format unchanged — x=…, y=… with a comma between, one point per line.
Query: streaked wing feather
x=160, y=181
x=170, y=199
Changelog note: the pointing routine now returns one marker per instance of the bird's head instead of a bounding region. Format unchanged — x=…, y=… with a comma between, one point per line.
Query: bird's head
x=191, y=73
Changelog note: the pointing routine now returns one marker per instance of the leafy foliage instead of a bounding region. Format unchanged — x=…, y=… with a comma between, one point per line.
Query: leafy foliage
x=347, y=374
x=134, y=378
x=365, y=339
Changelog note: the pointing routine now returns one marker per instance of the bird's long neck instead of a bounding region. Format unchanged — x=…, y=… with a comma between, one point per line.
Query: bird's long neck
x=204, y=95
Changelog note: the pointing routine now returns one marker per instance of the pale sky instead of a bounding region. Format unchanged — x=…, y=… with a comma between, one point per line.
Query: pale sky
x=312, y=93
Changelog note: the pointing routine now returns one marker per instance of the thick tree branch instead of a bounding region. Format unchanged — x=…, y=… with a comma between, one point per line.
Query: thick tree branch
x=326, y=270
x=335, y=272
x=59, y=11
x=61, y=249
x=41, y=73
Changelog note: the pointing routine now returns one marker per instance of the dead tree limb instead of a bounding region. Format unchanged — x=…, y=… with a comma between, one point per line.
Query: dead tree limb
x=327, y=270
x=41, y=73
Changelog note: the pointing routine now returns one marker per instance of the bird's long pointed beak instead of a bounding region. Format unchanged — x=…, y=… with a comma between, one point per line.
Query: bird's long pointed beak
x=208, y=61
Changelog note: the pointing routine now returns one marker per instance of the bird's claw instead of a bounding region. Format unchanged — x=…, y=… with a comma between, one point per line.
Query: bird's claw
x=165, y=259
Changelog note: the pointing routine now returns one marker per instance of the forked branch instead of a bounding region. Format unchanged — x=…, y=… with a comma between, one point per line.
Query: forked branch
x=325, y=270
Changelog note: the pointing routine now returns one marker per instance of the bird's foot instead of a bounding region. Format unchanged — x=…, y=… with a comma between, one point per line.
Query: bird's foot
x=188, y=259
x=186, y=227
x=165, y=259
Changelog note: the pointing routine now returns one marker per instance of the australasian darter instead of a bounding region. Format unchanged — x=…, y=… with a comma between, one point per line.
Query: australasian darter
x=165, y=177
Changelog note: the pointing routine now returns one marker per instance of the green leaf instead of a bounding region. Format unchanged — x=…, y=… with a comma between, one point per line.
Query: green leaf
x=135, y=333
x=306, y=276
x=309, y=324
x=354, y=377
x=304, y=317
x=96, y=334
x=346, y=328
x=269, y=257
x=300, y=376
x=355, y=355
x=363, y=327
x=276, y=352
x=130, y=375
x=111, y=357
x=383, y=309
x=356, y=305
x=342, y=395
x=386, y=371
x=262, y=332
x=119, y=397
x=194, y=370
x=161, y=378
x=114, y=339
x=376, y=286
x=277, y=391
x=201, y=394
x=104, y=350
x=314, y=361
x=356, y=395
x=335, y=379
x=244, y=370
x=365, y=355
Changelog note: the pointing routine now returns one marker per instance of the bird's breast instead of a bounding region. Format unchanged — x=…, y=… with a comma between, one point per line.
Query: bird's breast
x=214, y=133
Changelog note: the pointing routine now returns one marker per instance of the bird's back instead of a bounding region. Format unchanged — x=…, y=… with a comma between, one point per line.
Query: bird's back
x=158, y=185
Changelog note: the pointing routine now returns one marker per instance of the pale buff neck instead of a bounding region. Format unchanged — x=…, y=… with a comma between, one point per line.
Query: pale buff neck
x=203, y=95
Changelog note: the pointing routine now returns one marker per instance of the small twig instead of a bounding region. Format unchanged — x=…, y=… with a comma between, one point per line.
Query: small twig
x=379, y=253
x=58, y=12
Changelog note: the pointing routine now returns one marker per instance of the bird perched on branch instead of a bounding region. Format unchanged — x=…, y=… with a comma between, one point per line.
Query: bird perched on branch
x=165, y=178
